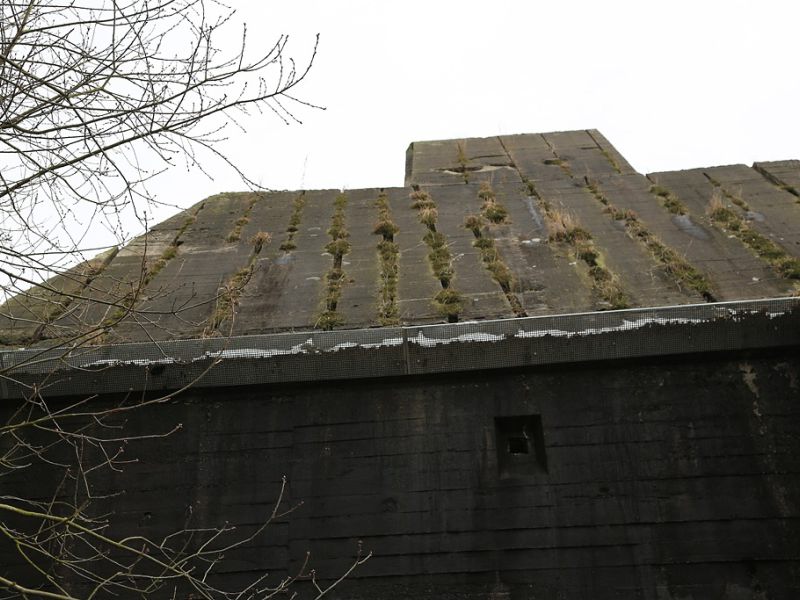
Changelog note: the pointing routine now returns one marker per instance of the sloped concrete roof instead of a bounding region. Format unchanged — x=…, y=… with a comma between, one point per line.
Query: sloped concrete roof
x=484, y=228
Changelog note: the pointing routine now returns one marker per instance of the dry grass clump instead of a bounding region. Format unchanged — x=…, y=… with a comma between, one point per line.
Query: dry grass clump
x=428, y=217
x=492, y=210
x=718, y=210
x=734, y=198
x=483, y=243
x=449, y=303
x=608, y=288
x=338, y=248
x=259, y=240
x=495, y=213
x=421, y=199
x=385, y=228
x=329, y=320
x=563, y=227
x=461, y=157
x=474, y=224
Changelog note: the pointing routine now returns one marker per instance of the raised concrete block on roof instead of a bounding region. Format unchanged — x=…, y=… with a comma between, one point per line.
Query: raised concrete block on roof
x=784, y=173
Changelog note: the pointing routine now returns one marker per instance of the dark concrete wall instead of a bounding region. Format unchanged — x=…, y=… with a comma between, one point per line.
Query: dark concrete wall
x=660, y=479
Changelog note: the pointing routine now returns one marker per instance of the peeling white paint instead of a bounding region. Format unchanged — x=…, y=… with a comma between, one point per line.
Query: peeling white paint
x=420, y=339
x=479, y=336
x=388, y=342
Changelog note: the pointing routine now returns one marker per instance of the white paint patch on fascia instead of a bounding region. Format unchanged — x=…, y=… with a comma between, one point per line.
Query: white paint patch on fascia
x=624, y=326
x=308, y=346
x=387, y=343
x=479, y=336
x=142, y=362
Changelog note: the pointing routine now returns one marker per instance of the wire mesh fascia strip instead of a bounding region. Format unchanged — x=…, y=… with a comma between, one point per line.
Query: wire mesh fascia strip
x=396, y=351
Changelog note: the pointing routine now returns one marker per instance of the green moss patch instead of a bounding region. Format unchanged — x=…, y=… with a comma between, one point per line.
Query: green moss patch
x=335, y=277
x=683, y=273
x=236, y=232
x=294, y=222
x=734, y=198
x=388, y=256
x=492, y=210
x=462, y=159
x=564, y=228
x=231, y=292
x=491, y=258
x=668, y=201
x=728, y=220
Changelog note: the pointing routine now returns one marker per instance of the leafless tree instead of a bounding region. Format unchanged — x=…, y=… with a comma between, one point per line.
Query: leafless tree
x=66, y=547
x=96, y=98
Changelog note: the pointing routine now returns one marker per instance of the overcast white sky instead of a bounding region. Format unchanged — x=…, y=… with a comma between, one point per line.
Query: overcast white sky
x=672, y=85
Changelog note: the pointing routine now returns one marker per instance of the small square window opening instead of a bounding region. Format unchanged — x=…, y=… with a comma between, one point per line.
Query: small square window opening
x=520, y=446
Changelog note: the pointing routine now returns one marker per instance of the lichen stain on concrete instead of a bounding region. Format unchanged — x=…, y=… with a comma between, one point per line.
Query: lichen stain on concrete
x=786, y=370
x=749, y=378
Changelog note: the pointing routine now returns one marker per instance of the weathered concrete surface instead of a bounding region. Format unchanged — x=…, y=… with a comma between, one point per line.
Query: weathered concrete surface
x=179, y=300
x=729, y=266
x=694, y=190
x=664, y=479
x=416, y=284
x=641, y=277
x=582, y=152
x=531, y=155
x=483, y=296
x=358, y=303
x=773, y=211
x=619, y=161
x=30, y=315
x=545, y=278
x=298, y=302
x=271, y=214
x=661, y=454
x=255, y=311
x=113, y=288
x=287, y=287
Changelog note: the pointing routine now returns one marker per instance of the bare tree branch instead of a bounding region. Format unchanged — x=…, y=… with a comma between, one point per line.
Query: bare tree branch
x=96, y=98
